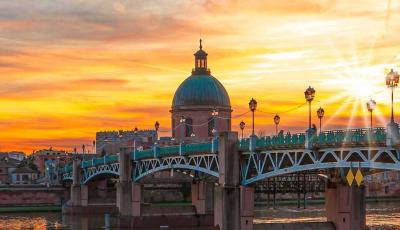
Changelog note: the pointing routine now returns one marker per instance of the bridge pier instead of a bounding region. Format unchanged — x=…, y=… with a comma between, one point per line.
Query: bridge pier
x=246, y=207
x=233, y=204
x=202, y=197
x=129, y=194
x=79, y=192
x=345, y=206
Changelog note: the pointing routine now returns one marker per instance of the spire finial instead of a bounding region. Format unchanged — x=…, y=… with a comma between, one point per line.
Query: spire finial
x=201, y=47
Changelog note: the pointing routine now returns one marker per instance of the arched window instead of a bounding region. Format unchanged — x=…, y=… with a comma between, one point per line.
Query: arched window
x=211, y=125
x=188, y=126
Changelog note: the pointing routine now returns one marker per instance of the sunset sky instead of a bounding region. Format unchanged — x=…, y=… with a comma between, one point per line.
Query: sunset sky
x=70, y=68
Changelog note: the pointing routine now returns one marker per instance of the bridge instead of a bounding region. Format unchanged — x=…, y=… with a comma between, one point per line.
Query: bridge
x=237, y=165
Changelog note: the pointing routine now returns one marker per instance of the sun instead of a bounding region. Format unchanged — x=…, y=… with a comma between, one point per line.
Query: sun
x=361, y=84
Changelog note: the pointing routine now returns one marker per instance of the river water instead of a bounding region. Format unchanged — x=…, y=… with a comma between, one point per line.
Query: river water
x=379, y=216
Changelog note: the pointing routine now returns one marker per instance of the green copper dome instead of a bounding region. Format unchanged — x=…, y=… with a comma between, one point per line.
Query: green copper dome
x=201, y=89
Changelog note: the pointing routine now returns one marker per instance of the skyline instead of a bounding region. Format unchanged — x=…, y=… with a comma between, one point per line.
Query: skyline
x=73, y=68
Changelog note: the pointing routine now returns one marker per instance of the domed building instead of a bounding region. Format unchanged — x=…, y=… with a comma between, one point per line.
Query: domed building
x=201, y=104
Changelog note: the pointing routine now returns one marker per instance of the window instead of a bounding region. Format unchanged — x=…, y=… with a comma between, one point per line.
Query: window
x=188, y=127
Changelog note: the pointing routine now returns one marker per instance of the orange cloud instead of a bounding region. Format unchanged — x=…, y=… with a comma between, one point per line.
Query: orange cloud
x=69, y=69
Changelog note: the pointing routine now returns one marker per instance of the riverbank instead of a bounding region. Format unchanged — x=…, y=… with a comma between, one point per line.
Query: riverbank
x=322, y=201
x=42, y=208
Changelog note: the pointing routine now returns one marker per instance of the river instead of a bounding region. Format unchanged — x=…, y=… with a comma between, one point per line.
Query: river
x=379, y=216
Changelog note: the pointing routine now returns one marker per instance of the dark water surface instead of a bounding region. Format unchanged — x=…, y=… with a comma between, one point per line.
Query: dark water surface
x=379, y=216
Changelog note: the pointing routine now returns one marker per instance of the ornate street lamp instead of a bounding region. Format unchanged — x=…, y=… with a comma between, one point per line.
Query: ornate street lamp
x=277, y=119
x=392, y=80
x=156, y=127
x=214, y=114
x=182, y=121
x=371, y=104
x=253, y=107
x=242, y=125
x=309, y=94
x=320, y=114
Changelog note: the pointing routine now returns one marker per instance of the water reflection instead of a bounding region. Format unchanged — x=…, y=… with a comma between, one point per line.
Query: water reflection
x=378, y=215
x=382, y=215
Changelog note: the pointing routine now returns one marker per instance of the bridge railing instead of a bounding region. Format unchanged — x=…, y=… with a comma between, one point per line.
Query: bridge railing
x=66, y=169
x=165, y=151
x=326, y=138
x=352, y=136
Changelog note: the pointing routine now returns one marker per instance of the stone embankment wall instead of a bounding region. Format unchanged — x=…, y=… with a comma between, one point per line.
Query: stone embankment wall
x=32, y=195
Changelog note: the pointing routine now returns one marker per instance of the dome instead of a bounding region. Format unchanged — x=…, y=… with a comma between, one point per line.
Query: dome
x=203, y=90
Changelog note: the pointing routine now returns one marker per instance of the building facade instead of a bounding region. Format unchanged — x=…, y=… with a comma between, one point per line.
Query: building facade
x=41, y=156
x=110, y=142
x=24, y=175
x=201, y=105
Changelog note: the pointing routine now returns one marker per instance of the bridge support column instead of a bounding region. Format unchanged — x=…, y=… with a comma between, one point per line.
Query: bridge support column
x=136, y=199
x=84, y=195
x=76, y=184
x=246, y=207
x=227, y=194
x=345, y=206
x=124, y=185
x=202, y=197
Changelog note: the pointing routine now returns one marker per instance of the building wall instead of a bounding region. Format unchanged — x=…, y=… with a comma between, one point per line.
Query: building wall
x=41, y=157
x=199, y=117
x=111, y=141
x=24, y=178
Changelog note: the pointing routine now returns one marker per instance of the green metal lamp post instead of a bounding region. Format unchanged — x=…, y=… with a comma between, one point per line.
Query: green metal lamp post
x=157, y=127
x=214, y=115
x=277, y=119
x=309, y=94
x=320, y=114
x=242, y=126
x=182, y=123
x=253, y=107
x=392, y=80
x=371, y=104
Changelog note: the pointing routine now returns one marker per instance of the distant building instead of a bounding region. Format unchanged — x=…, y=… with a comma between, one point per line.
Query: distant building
x=110, y=142
x=41, y=156
x=7, y=166
x=24, y=175
x=13, y=155
x=384, y=184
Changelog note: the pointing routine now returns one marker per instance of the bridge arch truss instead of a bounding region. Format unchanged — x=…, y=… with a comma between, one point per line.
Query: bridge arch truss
x=205, y=163
x=103, y=169
x=266, y=164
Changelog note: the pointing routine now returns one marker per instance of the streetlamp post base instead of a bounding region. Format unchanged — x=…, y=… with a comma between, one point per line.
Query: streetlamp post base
x=253, y=142
x=392, y=134
x=310, y=138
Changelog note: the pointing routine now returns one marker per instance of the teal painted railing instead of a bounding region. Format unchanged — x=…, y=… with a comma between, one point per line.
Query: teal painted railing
x=172, y=150
x=335, y=137
x=326, y=138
